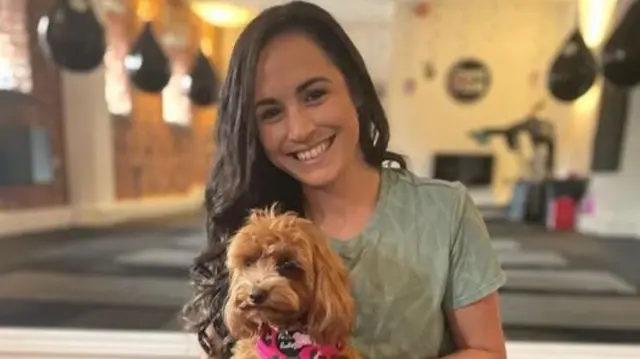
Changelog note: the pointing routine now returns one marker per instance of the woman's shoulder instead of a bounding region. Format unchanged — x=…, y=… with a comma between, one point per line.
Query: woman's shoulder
x=412, y=188
x=420, y=206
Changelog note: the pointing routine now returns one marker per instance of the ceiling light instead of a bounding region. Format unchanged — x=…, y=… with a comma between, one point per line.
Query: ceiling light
x=222, y=14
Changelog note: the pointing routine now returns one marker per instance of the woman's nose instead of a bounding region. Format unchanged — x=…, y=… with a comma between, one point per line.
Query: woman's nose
x=301, y=126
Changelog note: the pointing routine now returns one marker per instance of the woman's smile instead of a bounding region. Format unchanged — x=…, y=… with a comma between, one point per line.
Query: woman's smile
x=315, y=153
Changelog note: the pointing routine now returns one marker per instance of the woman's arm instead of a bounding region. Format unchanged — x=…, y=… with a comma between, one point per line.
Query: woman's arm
x=471, y=302
x=477, y=330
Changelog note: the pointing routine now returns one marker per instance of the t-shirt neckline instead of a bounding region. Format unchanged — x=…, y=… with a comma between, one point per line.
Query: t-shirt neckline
x=354, y=244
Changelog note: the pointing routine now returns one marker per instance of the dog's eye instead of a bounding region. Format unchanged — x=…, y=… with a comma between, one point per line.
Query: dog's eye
x=288, y=268
x=248, y=262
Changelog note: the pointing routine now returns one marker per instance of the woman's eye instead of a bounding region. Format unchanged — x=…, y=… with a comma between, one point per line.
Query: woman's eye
x=269, y=114
x=315, y=95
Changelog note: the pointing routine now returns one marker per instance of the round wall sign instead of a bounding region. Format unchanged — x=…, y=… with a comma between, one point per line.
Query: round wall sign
x=468, y=81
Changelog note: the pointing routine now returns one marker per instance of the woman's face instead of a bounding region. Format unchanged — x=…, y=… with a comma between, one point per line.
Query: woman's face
x=306, y=119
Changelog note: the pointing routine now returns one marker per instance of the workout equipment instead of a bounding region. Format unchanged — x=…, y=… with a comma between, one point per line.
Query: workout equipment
x=147, y=65
x=528, y=201
x=574, y=70
x=71, y=36
x=541, y=134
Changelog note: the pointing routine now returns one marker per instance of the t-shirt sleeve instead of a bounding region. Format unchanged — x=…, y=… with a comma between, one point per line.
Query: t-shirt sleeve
x=474, y=267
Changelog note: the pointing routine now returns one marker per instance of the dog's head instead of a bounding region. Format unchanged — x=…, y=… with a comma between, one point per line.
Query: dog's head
x=285, y=275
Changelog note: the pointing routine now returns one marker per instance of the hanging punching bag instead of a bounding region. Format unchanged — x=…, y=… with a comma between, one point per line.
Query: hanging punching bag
x=147, y=66
x=574, y=70
x=71, y=35
x=204, y=83
x=621, y=53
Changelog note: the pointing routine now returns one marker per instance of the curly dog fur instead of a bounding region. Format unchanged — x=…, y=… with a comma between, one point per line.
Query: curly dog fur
x=283, y=274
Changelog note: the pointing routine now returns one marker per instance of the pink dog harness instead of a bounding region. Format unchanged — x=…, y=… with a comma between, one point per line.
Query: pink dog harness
x=274, y=344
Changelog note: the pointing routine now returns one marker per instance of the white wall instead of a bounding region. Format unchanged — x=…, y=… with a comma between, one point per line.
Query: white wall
x=89, y=139
x=516, y=39
x=616, y=197
x=373, y=40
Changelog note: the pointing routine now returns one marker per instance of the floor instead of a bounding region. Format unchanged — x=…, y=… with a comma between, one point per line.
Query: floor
x=562, y=286
x=568, y=287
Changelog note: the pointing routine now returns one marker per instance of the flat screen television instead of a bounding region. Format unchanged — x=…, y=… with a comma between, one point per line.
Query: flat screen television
x=472, y=170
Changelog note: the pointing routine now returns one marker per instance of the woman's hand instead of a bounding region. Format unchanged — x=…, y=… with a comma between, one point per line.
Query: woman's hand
x=477, y=330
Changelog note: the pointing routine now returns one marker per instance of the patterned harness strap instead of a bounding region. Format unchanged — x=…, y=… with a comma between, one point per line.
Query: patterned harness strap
x=274, y=344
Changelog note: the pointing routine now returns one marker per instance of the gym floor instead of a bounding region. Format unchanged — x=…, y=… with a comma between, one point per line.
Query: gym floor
x=562, y=286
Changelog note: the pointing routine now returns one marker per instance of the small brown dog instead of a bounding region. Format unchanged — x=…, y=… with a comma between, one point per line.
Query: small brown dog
x=289, y=292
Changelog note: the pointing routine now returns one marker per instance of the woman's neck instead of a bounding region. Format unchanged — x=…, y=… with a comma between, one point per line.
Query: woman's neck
x=343, y=209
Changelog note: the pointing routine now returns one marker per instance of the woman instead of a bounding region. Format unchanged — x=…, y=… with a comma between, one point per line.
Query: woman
x=300, y=123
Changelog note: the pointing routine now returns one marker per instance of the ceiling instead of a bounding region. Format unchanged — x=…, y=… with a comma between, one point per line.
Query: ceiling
x=343, y=10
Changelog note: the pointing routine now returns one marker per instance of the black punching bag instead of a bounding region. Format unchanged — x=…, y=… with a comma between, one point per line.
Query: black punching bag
x=621, y=53
x=72, y=36
x=146, y=64
x=574, y=71
x=204, y=83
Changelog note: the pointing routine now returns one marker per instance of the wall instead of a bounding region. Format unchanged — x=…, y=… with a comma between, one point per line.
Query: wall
x=516, y=39
x=118, y=168
x=228, y=39
x=152, y=157
x=614, y=196
x=41, y=105
x=373, y=40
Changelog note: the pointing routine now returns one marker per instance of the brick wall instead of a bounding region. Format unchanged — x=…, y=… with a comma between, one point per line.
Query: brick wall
x=153, y=157
x=39, y=79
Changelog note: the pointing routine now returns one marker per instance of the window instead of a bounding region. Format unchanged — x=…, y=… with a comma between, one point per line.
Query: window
x=117, y=87
x=176, y=106
x=15, y=66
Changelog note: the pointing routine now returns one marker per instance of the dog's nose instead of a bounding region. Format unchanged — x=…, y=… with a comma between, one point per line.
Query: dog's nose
x=258, y=296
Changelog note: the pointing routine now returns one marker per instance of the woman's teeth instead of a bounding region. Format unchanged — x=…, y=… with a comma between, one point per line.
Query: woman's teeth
x=314, y=152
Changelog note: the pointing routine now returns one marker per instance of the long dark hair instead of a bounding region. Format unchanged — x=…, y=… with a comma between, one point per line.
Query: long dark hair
x=242, y=177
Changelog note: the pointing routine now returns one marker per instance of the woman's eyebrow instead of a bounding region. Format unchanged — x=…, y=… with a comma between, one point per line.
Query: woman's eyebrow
x=303, y=86
x=299, y=89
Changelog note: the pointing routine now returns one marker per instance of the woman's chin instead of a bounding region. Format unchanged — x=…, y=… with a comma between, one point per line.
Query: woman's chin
x=316, y=180
x=316, y=177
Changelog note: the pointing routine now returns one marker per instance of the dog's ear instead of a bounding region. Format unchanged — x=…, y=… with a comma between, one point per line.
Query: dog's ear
x=238, y=326
x=331, y=315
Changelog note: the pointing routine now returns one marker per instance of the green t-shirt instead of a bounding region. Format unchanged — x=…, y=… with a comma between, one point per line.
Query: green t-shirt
x=425, y=250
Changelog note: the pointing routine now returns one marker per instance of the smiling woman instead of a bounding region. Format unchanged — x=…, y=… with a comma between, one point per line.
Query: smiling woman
x=298, y=106
x=300, y=124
